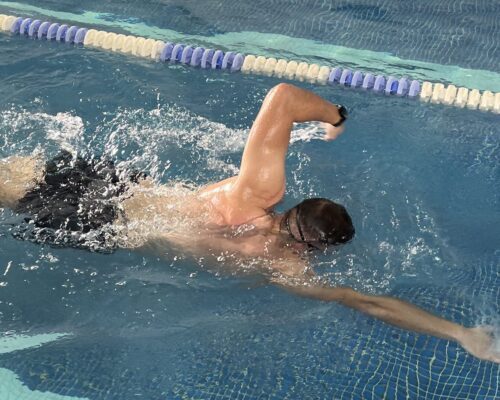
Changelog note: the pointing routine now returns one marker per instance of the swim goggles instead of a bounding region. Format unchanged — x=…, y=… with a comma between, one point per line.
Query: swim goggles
x=320, y=244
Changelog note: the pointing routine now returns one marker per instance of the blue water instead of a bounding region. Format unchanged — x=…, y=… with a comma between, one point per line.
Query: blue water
x=464, y=33
x=421, y=182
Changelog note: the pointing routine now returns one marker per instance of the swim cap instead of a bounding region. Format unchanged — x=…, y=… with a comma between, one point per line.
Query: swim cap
x=318, y=223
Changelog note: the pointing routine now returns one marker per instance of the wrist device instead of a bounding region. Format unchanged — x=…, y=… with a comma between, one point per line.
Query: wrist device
x=343, y=115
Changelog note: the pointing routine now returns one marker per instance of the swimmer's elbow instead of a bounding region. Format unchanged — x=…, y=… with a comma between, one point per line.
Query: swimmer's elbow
x=281, y=91
x=280, y=98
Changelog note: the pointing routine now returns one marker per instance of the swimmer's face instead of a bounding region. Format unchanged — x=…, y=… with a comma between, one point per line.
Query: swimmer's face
x=317, y=224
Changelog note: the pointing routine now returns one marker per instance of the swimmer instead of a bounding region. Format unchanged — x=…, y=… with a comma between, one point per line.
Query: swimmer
x=67, y=199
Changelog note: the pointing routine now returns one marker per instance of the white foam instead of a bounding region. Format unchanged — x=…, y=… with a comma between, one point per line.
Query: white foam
x=306, y=133
x=20, y=130
x=63, y=128
x=149, y=135
x=141, y=138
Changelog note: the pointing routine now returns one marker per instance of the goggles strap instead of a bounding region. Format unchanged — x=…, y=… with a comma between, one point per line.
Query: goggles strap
x=297, y=217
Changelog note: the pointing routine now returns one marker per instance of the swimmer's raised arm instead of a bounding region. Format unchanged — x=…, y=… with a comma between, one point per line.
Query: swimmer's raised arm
x=262, y=173
x=477, y=341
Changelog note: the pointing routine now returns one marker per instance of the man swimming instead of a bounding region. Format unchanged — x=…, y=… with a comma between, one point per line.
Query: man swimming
x=69, y=199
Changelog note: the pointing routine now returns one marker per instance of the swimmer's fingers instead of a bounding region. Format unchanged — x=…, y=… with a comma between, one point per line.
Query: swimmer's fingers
x=331, y=132
x=480, y=342
x=494, y=335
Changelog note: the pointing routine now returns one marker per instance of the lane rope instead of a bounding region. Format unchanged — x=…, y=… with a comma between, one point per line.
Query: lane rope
x=158, y=50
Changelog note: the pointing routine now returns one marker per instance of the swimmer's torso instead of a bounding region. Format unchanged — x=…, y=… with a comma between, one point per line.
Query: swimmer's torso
x=189, y=217
x=196, y=219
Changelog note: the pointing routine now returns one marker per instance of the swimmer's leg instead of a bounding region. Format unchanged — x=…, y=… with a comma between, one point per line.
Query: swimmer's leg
x=18, y=174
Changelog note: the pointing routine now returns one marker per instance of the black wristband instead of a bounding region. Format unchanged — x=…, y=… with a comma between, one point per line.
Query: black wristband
x=343, y=115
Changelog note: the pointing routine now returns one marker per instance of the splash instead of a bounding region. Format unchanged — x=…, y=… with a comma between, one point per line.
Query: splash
x=149, y=140
x=170, y=137
x=23, y=132
x=172, y=145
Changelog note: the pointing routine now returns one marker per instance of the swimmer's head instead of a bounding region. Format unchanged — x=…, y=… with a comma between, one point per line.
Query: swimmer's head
x=318, y=223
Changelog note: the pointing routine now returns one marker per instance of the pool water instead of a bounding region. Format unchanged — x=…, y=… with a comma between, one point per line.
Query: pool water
x=421, y=182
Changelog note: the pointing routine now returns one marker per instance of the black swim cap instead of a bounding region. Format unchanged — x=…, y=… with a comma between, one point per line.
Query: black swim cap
x=318, y=223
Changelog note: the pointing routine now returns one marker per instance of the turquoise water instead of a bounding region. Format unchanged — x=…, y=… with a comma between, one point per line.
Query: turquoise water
x=421, y=182
x=251, y=36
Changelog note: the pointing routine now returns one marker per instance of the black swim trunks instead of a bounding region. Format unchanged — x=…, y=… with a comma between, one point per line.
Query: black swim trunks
x=75, y=204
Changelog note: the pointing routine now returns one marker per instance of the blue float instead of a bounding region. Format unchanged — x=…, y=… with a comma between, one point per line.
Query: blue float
x=334, y=76
x=217, y=59
x=237, y=62
x=33, y=28
x=177, y=53
x=80, y=35
x=70, y=34
x=52, y=31
x=166, y=53
x=414, y=88
x=357, y=79
x=368, y=82
x=346, y=77
x=228, y=59
x=206, y=58
x=61, y=33
x=23, y=29
x=196, y=57
x=391, y=86
x=379, y=84
x=402, y=87
x=42, y=30
x=187, y=54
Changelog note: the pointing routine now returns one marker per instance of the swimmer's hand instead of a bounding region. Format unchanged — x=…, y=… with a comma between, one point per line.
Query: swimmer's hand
x=332, y=132
x=479, y=341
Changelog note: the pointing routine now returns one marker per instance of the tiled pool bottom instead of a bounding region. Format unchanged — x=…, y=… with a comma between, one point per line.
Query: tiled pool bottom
x=294, y=349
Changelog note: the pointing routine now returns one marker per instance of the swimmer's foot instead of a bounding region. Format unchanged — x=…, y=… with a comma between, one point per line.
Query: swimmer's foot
x=479, y=342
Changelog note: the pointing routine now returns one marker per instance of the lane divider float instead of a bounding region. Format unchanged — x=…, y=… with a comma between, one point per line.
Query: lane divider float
x=204, y=58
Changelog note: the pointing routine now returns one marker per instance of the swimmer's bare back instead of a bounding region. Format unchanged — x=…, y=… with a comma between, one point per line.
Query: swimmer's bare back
x=18, y=175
